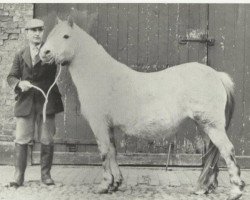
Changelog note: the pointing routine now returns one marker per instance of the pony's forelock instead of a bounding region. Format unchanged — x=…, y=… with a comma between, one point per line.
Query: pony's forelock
x=59, y=26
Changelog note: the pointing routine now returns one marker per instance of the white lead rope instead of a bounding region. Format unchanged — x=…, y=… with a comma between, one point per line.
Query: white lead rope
x=46, y=96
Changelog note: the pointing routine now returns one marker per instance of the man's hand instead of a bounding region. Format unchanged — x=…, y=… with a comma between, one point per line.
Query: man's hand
x=24, y=85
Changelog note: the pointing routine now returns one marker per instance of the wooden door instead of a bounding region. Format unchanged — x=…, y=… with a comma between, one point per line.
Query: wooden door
x=146, y=37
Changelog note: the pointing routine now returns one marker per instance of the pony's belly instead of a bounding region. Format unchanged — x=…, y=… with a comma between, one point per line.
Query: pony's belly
x=154, y=121
x=153, y=129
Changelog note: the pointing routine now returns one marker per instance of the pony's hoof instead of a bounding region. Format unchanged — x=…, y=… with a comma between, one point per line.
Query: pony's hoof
x=242, y=185
x=205, y=189
x=200, y=192
x=234, y=196
x=103, y=189
x=119, y=182
x=13, y=185
x=237, y=191
x=114, y=187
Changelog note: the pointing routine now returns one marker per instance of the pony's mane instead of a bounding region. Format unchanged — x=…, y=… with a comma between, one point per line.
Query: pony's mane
x=83, y=36
x=90, y=45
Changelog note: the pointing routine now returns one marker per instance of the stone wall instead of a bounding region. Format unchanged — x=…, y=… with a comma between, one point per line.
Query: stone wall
x=12, y=39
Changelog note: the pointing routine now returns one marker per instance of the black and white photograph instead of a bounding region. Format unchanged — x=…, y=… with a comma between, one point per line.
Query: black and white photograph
x=123, y=100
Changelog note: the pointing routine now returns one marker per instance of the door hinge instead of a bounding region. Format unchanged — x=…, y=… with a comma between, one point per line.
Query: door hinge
x=201, y=39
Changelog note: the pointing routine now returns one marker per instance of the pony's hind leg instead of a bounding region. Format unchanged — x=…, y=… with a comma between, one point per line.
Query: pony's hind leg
x=219, y=138
x=207, y=181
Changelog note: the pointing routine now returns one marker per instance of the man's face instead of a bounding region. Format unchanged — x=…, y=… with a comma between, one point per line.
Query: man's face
x=35, y=35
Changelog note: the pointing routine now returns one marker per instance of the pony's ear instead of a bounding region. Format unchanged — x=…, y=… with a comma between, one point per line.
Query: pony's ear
x=70, y=21
x=58, y=20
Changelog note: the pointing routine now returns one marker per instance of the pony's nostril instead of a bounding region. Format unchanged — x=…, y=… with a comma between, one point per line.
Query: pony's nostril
x=47, y=52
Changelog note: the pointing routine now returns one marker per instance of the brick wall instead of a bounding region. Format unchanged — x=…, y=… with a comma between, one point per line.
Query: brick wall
x=12, y=38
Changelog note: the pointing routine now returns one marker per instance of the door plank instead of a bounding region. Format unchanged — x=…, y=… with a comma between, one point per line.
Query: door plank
x=123, y=33
x=163, y=35
x=183, y=27
x=173, y=46
x=153, y=36
x=102, y=25
x=112, y=29
x=93, y=20
x=245, y=139
x=133, y=35
x=143, y=36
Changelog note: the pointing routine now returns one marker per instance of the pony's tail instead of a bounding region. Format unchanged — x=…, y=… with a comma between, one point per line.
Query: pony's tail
x=208, y=178
x=229, y=87
x=207, y=181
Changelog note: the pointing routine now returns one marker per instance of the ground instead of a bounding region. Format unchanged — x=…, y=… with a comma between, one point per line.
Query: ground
x=80, y=183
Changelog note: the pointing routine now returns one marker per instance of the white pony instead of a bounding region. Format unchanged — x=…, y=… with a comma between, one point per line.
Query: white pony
x=145, y=104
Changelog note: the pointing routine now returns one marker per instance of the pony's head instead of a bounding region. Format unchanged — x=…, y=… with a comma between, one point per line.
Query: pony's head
x=60, y=45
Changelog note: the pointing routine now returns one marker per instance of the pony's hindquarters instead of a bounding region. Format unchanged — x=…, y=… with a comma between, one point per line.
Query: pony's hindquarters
x=220, y=144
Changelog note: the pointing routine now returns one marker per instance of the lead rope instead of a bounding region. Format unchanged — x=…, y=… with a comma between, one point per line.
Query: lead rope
x=46, y=96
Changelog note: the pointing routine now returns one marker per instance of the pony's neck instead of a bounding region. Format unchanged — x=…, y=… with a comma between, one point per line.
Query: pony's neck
x=90, y=53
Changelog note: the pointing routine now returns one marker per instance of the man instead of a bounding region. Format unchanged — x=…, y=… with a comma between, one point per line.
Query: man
x=28, y=69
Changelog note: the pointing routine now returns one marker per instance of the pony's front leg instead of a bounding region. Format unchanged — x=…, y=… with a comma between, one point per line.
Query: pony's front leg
x=107, y=183
x=102, y=135
x=112, y=177
x=114, y=166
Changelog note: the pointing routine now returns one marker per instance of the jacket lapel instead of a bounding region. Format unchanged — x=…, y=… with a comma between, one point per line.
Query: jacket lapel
x=37, y=60
x=27, y=57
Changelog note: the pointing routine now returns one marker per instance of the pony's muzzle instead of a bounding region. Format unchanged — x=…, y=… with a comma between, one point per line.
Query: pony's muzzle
x=46, y=52
x=45, y=55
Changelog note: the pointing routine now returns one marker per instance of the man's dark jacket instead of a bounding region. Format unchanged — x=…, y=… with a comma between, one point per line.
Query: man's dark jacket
x=41, y=75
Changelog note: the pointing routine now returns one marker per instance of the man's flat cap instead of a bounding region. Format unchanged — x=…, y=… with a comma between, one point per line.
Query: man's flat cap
x=34, y=23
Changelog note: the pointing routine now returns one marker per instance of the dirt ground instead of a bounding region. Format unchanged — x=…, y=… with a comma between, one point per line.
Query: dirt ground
x=80, y=183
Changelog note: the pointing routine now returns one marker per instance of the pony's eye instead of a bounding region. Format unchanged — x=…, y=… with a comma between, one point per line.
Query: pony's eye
x=66, y=36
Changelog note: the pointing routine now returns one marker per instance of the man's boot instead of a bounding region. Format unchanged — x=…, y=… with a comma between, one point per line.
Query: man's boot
x=47, y=152
x=20, y=163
